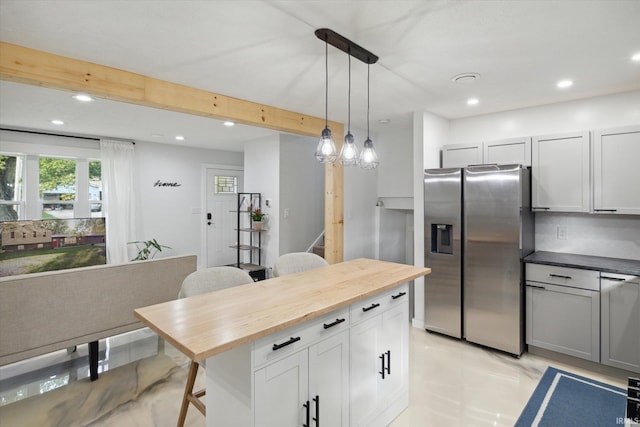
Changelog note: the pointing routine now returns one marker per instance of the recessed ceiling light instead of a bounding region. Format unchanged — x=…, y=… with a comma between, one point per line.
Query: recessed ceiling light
x=82, y=97
x=180, y=138
x=472, y=101
x=157, y=135
x=229, y=123
x=57, y=122
x=384, y=121
x=562, y=84
x=636, y=57
x=465, y=78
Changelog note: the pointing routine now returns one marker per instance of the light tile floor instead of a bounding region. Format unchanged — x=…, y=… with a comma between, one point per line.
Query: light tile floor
x=452, y=383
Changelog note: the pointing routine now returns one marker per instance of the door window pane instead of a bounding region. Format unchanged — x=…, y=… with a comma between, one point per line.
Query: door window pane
x=10, y=187
x=57, y=187
x=226, y=184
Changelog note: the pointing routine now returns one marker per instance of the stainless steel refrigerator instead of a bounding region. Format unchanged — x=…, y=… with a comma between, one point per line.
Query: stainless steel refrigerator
x=478, y=226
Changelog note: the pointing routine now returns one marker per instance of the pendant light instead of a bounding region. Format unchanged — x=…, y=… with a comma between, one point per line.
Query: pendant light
x=368, y=157
x=349, y=151
x=326, y=149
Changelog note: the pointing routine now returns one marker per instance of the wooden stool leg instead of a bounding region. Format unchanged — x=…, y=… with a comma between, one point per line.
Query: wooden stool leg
x=188, y=389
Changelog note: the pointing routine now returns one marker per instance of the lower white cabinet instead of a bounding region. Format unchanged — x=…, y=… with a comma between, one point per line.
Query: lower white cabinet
x=379, y=362
x=563, y=317
x=309, y=387
x=620, y=299
x=348, y=368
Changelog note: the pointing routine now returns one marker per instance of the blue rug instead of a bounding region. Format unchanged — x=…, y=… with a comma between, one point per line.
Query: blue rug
x=565, y=399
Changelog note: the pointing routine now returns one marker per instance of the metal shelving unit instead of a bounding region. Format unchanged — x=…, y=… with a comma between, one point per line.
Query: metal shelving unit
x=248, y=239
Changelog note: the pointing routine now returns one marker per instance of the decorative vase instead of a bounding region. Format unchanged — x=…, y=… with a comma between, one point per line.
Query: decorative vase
x=257, y=225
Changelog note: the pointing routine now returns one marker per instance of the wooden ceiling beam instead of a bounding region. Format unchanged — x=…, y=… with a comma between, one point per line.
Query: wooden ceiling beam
x=34, y=67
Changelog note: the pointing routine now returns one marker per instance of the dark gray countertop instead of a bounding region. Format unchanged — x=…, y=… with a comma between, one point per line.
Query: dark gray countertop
x=587, y=262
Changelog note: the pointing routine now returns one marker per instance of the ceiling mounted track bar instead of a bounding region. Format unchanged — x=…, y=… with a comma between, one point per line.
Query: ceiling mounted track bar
x=346, y=45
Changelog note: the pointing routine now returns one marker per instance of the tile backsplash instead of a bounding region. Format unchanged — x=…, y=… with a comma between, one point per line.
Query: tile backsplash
x=616, y=236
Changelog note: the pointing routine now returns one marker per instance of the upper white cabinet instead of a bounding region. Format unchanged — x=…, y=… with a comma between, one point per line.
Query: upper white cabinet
x=461, y=155
x=508, y=151
x=560, y=173
x=505, y=151
x=616, y=153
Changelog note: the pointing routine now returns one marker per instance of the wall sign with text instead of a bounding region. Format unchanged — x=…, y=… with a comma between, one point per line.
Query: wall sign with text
x=159, y=183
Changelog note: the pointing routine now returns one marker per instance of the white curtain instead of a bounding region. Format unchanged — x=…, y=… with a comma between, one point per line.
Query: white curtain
x=118, y=198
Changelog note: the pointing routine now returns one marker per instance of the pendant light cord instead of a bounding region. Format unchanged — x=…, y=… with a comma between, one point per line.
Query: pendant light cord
x=349, y=98
x=368, y=68
x=326, y=84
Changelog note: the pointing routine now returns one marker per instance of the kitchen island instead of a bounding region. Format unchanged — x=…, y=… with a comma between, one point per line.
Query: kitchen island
x=276, y=348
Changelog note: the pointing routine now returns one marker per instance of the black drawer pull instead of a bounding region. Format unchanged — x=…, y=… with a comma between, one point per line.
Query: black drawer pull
x=537, y=287
x=306, y=406
x=605, y=210
x=317, y=417
x=388, y=362
x=381, y=357
x=284, y=344
x=371, y=307
x=337, y=322
x=537, y=207
x=612, y=278
x=560, y=276
x=399, y=295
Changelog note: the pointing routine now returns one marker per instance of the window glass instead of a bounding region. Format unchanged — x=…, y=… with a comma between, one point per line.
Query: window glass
x=10, y=187
x=57, y=187
x=95, y=188
x=226, y=184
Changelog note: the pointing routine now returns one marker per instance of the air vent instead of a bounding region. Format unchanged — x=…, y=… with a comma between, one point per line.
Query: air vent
x=465, y=78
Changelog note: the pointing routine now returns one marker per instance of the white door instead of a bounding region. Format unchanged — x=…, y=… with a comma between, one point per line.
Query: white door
x=281, y=392
x=366, y=370
x=395, y=327
x=329, y=381
x=222, y=188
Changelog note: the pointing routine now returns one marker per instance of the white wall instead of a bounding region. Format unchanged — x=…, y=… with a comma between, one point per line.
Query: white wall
x=301, y=194
x=166, y=213
x=585, y=114
x=262, y=175
x=394, y=146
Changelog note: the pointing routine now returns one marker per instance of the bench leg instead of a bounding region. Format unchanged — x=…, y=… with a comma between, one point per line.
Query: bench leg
x=93, y=360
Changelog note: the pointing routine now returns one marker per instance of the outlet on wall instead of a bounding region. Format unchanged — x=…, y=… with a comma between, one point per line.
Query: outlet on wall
x=562, y=232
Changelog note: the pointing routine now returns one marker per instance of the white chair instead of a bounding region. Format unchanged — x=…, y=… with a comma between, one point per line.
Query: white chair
x=297, y=262
x=200, y=282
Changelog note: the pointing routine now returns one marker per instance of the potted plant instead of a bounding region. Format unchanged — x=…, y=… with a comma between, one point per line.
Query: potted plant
x=257, y=216
x=147, y=249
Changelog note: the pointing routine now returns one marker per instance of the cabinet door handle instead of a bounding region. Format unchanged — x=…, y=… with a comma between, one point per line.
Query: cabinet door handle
x=536, y=208
x=371, y=307
x=605, y=210
x=399, y=295
x=617, y=279
x=537, y=287
x=284, y=344
x=306, y=407
x=317, y=417
x=389, y=362
x=560, y=276
x=381, y=357
x=332, y=324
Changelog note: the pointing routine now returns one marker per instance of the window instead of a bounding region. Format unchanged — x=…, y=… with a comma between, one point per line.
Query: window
x=95, y=188
x=11, y=204
x=226, y=184
x=57, y=187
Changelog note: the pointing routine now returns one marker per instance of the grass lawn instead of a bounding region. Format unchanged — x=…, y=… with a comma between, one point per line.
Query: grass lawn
x=69, y=257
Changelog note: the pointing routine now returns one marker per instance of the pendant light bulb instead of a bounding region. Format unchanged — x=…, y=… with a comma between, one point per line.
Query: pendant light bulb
x=349, y=151
x=326, y=149
x=368, y=157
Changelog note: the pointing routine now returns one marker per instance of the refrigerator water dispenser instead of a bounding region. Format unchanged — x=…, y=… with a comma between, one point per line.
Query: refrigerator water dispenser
x=442, y=239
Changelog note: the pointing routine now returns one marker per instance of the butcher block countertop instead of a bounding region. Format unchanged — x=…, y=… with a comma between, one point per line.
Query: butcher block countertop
x=205, y=325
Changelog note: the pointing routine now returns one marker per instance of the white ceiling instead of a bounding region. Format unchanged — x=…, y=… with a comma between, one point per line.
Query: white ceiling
x=266, y=52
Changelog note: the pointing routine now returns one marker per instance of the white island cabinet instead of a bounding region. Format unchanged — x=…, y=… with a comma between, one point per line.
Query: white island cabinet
x=324, y=348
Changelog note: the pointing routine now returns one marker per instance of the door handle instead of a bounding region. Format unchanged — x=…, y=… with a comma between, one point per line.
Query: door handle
x=209, y=218
x=306, y=406
x=381, y=357
x=371, y=307
x=317, y=417
x=284, y=344
x=332, y=324
x=388, y=362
